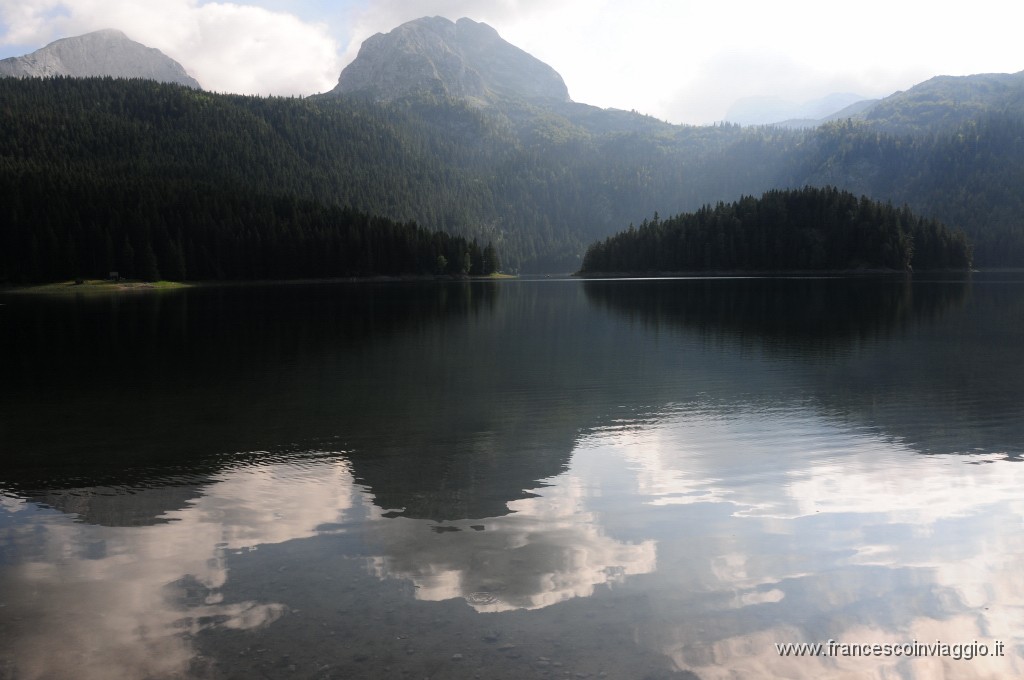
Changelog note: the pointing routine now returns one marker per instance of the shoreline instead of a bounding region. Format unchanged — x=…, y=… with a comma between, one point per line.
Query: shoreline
x=103, y=286
x=771, y=273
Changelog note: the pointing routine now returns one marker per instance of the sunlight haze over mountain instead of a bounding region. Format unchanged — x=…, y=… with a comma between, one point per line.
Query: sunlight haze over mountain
x=681, y=61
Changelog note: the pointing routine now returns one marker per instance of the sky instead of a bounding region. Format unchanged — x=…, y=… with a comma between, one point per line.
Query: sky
x=678, y=60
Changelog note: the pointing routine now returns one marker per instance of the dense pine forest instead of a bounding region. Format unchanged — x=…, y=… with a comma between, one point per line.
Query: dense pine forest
x=797, y=230
x=538, y=183
x=158, y=181
x=65, y=228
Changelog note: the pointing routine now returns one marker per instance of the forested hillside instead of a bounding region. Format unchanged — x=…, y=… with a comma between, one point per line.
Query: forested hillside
x=946, y=102
x=161, y=181
x=797, y=230
x=534, y=183
x=537, y=182
x=970, y=176
x=99, y=175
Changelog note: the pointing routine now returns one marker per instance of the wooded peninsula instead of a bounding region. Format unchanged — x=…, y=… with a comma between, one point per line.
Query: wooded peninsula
x=809, y=229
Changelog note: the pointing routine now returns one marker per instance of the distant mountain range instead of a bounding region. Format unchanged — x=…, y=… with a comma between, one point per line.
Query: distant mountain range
x=101, y=53
x=779, y=111
x=940, y=102
x=448, y=125
x=469, y=61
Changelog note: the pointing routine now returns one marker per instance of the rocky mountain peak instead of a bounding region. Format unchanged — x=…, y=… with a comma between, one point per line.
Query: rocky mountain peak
x=463, y=59
x=107, y=52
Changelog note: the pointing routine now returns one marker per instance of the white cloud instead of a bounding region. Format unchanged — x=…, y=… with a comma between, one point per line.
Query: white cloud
x=24, y=22
x=227, y=47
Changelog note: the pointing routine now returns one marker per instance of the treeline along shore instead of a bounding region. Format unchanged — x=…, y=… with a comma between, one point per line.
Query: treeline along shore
x=68, y=227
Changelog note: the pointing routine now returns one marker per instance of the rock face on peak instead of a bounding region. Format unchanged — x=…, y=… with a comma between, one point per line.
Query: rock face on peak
x=462, y=59
x=101, y=53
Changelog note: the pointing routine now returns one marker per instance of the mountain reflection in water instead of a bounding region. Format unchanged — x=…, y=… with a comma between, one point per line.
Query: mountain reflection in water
x=642, y=479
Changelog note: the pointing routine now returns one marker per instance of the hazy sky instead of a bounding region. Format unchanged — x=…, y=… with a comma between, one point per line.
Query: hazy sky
x=678, y=60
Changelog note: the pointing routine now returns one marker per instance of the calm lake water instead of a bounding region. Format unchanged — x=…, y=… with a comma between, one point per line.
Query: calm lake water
x=514, y=479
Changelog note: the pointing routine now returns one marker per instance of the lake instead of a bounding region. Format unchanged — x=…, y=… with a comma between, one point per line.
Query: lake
x=516, y=479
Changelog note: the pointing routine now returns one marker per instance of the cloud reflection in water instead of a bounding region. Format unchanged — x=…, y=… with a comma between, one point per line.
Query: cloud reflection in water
x=548, y=551
x=123, y=601
x=722, y=536
x=833, y=533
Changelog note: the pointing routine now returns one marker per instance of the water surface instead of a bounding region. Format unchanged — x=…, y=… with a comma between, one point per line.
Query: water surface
x=625, y=479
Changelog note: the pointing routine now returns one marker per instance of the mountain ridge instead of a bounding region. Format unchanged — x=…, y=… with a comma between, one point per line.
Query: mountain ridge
x=947, y=101
x=107, y=52
x=941, y=102
x=463, y=59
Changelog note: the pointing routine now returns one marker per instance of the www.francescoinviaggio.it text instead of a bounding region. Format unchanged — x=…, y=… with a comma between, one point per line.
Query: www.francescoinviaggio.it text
x=834, y=648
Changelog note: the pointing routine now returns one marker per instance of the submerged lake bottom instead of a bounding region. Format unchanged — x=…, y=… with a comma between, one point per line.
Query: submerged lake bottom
x=677, y=478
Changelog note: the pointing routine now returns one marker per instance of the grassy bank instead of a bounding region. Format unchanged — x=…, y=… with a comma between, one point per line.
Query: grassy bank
x=95, y=286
